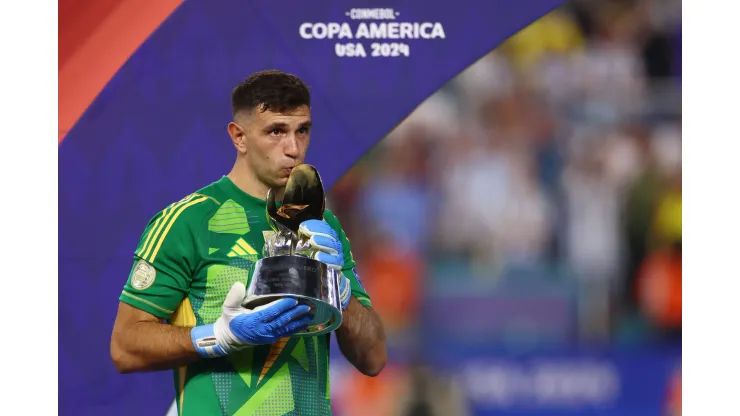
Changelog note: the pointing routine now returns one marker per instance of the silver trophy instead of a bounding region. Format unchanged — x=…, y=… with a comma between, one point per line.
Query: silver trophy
x=288, y=268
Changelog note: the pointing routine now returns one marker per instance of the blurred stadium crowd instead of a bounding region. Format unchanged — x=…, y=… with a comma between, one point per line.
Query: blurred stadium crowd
x=558, y=154
x=552, y=166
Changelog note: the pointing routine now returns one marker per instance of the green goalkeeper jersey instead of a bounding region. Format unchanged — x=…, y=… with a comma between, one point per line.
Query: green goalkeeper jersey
x=189, y=256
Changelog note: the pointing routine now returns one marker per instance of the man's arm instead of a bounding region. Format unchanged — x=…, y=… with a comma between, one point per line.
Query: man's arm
x=141, y=342
x=159, y=280
x=361, y=338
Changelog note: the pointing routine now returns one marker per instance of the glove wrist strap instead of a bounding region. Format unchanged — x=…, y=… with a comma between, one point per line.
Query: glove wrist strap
x=205, y=342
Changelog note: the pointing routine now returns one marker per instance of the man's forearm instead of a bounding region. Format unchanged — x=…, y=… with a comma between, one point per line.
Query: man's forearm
x=361, y=338
x=152, y=346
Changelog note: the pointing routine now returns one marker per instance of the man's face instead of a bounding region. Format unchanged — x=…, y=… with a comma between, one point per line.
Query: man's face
x=276, y=142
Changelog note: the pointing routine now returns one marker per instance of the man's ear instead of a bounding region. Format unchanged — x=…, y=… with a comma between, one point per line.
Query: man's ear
x=238, y=137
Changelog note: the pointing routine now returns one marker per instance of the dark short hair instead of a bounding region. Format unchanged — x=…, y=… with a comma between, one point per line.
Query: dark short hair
x=270, y=90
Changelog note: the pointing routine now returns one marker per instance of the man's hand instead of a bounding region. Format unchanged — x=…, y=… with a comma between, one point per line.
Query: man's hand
x=322, y=238
x=239, y=327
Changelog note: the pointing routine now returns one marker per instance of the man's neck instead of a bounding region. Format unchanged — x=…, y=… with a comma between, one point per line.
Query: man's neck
x=245, y=180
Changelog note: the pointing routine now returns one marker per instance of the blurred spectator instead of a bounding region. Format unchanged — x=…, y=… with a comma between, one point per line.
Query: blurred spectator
x=659, y=55
x=593, y=248
x=397, y=198
x=395, y=278
x=344, y=193
x=659, y=152
x=491, y=77
x=494, y=205
x=553, y=34
x=437, y=117
x=593, y=243
x=659, y=291
x=610, y=73
x=659, y=278
x=666, y=229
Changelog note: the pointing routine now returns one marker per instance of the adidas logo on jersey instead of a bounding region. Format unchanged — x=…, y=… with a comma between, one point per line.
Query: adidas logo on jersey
x=242, y=249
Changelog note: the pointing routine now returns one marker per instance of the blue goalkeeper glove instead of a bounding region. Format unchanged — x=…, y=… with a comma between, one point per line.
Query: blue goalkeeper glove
x=239, y=327
x=322, y=238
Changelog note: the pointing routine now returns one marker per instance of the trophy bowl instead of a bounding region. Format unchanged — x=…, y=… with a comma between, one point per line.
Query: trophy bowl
x=307, y=280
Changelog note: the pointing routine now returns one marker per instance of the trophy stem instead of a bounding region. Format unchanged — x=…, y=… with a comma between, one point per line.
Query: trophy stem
x=293, y=242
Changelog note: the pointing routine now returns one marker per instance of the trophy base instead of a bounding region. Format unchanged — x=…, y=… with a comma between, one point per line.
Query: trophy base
x=307, y=280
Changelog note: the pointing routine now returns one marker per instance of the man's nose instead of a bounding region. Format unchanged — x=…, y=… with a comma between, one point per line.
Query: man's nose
x=291, y=148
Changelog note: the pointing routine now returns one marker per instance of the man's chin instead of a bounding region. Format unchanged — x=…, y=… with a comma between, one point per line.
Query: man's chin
x=279, y=182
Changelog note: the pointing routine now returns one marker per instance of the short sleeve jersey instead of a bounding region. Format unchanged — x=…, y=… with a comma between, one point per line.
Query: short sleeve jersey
x=187, y=259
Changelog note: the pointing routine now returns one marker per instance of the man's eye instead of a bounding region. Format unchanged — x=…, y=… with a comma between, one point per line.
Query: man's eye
x=303, y=130
x=275, y=132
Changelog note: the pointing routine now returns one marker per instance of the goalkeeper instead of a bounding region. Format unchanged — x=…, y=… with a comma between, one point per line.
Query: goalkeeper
x=180, y=308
